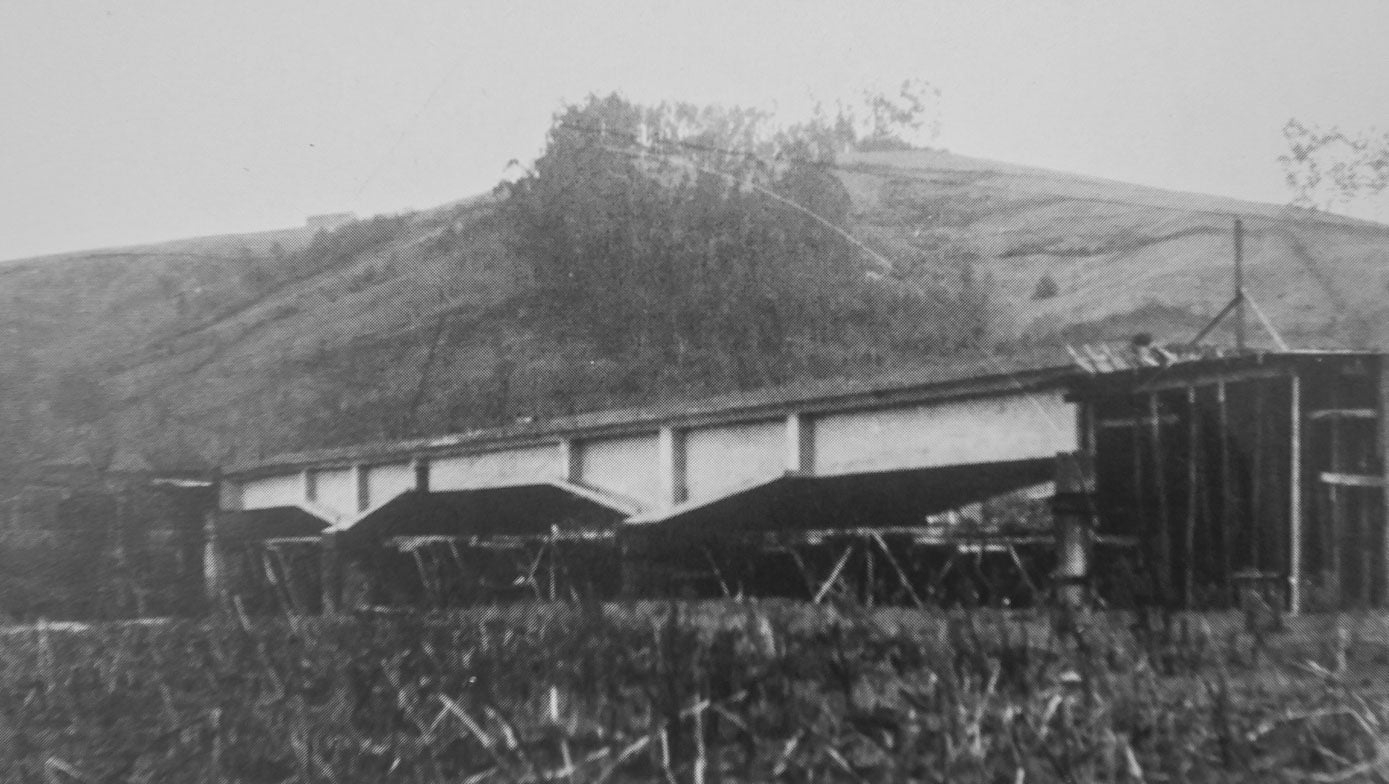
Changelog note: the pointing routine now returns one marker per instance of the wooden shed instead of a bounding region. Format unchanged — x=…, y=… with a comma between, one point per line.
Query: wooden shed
x=1253, y=469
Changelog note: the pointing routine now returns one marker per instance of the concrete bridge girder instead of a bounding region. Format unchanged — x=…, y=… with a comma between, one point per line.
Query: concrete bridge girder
x=655, y=471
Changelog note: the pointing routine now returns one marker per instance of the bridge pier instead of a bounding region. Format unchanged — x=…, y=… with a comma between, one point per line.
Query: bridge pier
x=1073, y=508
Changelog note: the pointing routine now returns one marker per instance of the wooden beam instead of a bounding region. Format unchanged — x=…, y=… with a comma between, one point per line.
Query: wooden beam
x=1160, y=480
x=1382, y=453
x=1295, y=499
x=1227, y=490
x=1171, y=380
x=901, y=573
x=1339, y=479
x=1342, y=413
x=330, y=573
x=1335, y=504
x=1135, y=422
x=1193, y=478
x=834, y=575
x=1367, y=554
x=1256, y=492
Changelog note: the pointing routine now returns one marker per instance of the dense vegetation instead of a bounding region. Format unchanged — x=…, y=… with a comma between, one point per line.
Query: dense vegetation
x=707, y=244
x=689, y=693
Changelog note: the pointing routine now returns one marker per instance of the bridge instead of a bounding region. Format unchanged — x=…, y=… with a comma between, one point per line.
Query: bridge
x=1261, y=468
x=826, y=456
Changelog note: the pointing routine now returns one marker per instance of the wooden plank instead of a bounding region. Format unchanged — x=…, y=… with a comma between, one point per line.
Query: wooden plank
x=1170, y=381
x=1256, y=492
x=834, y=576
x=870, y=576
x=1342, y=413
x=1366, y=551
x=1135, y=422
x=1295, y=498
x=1164, y=519
x=1193, y=478
x=1382, y=452
x=1339, y=479
x=897, y=567
x=1336, y=507
x=1227, y=489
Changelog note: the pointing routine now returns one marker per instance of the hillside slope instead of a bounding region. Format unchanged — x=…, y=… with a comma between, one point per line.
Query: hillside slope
x=236, y=346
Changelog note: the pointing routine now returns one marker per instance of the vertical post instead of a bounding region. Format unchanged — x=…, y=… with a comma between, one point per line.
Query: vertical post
x=1160, y=487
x=1256, y=493
x=554, y=558
x=671, y=450
x=1382, y=452
x=800, y=444
x=420, y=467
x=308, y=481
x=630, y=584
x=1072, y=508
x=1193, y=478
x=1336, y=503
x=1227, y=487
x=214, y=568
x=1295, y=499
x=1085, y=427
x=571, y=465
x=1239, y=285
x=330, y=572
x=361, y=485
x=870, y=576
x=228, y=494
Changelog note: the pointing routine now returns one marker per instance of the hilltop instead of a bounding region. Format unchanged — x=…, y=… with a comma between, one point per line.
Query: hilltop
x=423, y=323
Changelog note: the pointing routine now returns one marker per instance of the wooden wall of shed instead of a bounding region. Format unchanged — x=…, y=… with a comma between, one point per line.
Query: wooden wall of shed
x=1343, y=545
x=1198, y=477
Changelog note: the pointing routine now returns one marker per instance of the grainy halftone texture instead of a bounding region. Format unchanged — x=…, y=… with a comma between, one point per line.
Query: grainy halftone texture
x=384, y=334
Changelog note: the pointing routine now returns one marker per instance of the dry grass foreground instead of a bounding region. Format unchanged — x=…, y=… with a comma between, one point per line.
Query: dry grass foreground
x=695, y=692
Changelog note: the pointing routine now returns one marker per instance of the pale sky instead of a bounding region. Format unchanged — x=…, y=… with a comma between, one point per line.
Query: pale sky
x=137, y=121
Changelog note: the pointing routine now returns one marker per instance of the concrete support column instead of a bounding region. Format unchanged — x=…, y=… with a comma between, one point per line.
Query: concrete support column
x=800, y=444
x=571, y=468
x=419, y=467
x=360, y=481
x=309, y=480
x=1073, y=508
x=228, y=495
x=671, y=464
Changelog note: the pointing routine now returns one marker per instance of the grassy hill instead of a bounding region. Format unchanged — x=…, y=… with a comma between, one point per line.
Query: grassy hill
x=240, y=345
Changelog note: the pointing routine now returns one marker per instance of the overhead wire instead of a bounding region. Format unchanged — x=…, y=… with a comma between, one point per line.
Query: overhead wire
x=971, y=341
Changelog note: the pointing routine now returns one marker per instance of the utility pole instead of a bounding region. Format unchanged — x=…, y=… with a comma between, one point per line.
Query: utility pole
x=1239, y=285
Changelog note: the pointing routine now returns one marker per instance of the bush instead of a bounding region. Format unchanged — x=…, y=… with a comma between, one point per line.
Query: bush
x=1046, y=287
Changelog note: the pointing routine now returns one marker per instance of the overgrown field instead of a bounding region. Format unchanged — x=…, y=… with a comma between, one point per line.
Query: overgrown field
x=704, y=692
